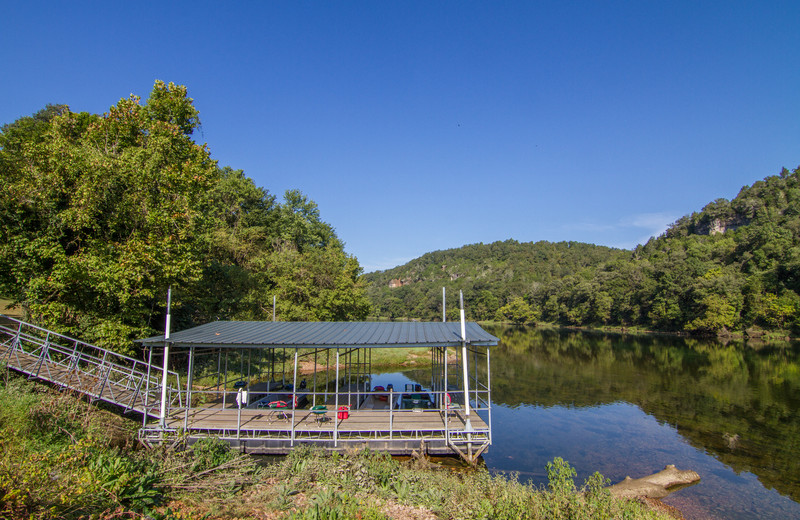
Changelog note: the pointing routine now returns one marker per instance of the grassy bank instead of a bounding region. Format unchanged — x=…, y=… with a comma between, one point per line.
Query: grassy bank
x=61, y=458
x=9, y=310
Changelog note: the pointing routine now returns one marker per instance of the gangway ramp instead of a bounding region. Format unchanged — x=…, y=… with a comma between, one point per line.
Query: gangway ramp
x=96, y=372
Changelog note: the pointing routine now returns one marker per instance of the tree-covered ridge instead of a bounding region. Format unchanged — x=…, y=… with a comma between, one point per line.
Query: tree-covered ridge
x=491, y=276
x=734, y=266
x=99, y=214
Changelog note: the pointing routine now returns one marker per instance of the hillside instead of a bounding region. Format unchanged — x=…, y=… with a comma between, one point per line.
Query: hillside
x=733, y=266
x=490, y=275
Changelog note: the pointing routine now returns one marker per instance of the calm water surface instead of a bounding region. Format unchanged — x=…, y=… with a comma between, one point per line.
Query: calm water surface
x=631, y=405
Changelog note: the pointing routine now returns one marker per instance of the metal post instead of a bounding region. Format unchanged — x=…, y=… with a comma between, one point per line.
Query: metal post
x=239, y=413
x=105, y=377
x=164, y=404
x=348, y=371
x=189, y=380
x=314, y=403
x=489, y=391
x=45, y=349
x=444, y=303
x=358, y=379
x=147, y=385
x=327, y=370
x=225, y=382
x=219, y=370
x=294, y=394
x=336, y=405
x=468, y=425
x=446, y=405
x=475, y=370
x=273, y=307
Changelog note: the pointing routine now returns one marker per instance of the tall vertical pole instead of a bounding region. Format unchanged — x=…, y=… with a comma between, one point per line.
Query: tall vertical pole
x=464, y=357
x=489, y=391
x=163, y=415
x=273, y=307
x=336, y=405
x=444, y=302
x=294, y=395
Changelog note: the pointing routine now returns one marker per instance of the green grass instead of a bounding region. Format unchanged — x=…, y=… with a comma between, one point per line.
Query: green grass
x=61, y=458
x=8, y=310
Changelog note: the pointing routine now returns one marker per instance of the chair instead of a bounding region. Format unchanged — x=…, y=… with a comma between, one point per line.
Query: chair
x=320, y=413
x=279, y=409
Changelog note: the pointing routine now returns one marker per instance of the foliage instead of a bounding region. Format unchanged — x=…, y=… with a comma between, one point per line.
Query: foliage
x=734, y=266
x=100, y=214
x=516, y=311
x=490, y=276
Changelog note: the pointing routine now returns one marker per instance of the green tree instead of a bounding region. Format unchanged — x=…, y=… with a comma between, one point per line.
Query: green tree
x=517, y=311
x=101, y=213
x=322, y=284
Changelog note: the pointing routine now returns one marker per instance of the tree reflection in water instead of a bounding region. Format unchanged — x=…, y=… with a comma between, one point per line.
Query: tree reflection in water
x=640, y=399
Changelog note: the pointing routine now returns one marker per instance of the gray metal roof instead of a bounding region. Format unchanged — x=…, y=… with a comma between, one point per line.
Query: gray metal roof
x=322, y=334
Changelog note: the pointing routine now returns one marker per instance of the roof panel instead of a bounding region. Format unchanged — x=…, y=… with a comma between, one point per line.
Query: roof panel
x=326, y=334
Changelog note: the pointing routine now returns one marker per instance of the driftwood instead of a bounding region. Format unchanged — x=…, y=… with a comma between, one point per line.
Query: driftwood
x=657, y=485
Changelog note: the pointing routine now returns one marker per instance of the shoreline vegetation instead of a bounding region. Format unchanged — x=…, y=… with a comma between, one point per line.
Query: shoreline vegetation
x=728, y=270
x=64, y=458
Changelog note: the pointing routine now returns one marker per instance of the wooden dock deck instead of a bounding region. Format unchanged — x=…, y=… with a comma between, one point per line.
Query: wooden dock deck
x=277, y=431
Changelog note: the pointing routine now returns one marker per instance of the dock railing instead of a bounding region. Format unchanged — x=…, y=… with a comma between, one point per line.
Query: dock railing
x=91, y=370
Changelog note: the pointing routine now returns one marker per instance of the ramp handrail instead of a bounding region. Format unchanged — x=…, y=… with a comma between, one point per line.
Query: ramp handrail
x=95, y=371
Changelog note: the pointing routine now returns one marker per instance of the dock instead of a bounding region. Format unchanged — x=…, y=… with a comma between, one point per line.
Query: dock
x=260, y=402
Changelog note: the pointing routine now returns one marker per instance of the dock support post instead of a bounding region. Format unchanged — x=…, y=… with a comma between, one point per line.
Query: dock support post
x=336, y=406
x=294, y=395
x=147, y=385
x=239, y=414
x=189, y=380
x=164, y=382
x=314, y=403
x=464, y=358
x=489, y=390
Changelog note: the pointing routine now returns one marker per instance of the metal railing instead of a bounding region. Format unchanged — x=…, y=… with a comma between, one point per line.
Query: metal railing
x=91, y=370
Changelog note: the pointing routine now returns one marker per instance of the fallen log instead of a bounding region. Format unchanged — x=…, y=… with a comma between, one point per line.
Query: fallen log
x=657, y=485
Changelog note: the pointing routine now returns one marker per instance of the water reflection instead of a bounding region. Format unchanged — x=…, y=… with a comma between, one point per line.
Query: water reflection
x=632, y=404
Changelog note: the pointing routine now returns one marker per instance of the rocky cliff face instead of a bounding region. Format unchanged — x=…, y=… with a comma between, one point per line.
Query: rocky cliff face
x=719, y=225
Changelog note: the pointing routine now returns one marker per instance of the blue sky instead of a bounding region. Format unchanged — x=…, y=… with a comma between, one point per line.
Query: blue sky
x=419, y=126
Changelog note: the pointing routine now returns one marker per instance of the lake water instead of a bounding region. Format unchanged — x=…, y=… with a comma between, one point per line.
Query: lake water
x=630, y=405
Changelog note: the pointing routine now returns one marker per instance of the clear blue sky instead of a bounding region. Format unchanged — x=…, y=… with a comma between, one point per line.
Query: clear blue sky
x=419, y=126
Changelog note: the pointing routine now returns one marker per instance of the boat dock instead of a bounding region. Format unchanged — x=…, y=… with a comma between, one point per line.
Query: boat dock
x=270, y=386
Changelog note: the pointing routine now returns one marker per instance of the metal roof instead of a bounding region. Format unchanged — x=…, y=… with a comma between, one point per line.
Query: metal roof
x=322, y=334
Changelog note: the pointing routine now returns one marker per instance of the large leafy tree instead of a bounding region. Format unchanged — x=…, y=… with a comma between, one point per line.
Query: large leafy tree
x=100, y=213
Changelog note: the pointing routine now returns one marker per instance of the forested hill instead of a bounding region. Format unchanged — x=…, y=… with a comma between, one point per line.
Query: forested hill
x=489, y=274
x=734, y=266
